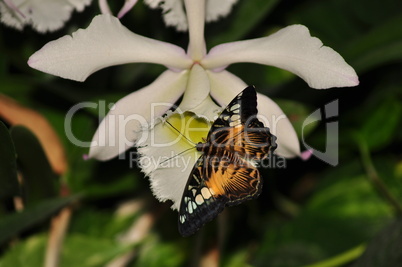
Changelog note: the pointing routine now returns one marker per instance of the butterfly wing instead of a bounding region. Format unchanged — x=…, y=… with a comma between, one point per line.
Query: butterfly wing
x=226, y=175
x=239, y=130
x=215, y=182
x=198, y=205
x=232, y=177
x=241, y=109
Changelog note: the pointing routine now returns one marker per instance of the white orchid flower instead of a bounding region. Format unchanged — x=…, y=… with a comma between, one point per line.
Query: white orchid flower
x=128, y=5
x=42, y=15
x=174, y=13
x=197, y=76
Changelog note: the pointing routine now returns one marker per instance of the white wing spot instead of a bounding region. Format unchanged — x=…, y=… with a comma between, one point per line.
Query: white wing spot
x=190, y=207
x=199, y=199
x=206, y=193
x=235, y=117
x=236, y=106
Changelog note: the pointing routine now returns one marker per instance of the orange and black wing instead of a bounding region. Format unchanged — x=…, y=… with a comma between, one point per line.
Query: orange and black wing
x=238, y=129
x=214, y=183
x=240, y=111
x=232, y=177
x=226, y=174
x=250, y=143
x=199, y=204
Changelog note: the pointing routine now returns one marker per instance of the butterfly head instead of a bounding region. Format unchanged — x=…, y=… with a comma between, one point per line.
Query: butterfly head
x=200, y=146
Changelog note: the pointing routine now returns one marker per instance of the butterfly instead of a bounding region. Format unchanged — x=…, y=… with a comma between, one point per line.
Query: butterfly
x=226, y=173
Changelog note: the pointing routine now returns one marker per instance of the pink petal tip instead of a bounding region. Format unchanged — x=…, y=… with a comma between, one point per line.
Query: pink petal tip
x=305, y=155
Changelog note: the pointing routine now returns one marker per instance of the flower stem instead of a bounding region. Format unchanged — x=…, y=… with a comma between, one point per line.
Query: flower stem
x=341, y=259
x=375, y=179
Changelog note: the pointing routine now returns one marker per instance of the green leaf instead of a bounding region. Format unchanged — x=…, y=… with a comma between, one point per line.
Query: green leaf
x=378, y=46
x=297, y=113
x=246, y=15
x=9, y=186
x=77, y=250
x=329, y=224
x=238, y=259
x=366, y=37
x=276, y=77
x=30, y=251
x=86, y=251
x=80, y=171
x=103, y=223
x=382, y=124
x=341, y=259
x=125, y=184
x=155, y=253
x=14, y=224
x=385, y=249
x=39, y=178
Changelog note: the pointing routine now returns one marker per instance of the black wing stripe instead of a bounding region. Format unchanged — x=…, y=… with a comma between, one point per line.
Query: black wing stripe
x=198, y=205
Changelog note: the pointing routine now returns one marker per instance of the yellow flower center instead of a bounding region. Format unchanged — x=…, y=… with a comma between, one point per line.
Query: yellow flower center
x=190, y=126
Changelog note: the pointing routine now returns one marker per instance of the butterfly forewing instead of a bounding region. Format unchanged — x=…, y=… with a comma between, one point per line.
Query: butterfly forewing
x=238, y=111
x=253, y=142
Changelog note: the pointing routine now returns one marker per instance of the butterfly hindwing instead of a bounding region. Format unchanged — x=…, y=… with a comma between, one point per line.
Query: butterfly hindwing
x=199, y=205
x=216, y=182
x=232, y=177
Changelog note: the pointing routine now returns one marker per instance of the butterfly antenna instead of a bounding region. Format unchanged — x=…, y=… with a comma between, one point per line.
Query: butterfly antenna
x=180, y=134
x=175, y=156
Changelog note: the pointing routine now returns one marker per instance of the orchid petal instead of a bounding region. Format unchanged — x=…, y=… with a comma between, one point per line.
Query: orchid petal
x=198, y=89
x=175, y=15
x=173, y=12
x=274, y=118
x=104, y=7
x=167, y=172
x=79, y=4
x=128, y=5
x=104, y=43
x=13, y=7
x=196, y=98
x=122, y=126
x=293, y=49
x=207, y=110
x=42, y=15
x=305, y=155
x=218, y=9
x=196, y=20
x=225, y=86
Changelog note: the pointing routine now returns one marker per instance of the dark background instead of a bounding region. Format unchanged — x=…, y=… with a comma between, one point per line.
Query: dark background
x=308, y=213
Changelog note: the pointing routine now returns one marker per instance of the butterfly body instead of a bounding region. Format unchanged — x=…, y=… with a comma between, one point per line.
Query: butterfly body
x=226, y=173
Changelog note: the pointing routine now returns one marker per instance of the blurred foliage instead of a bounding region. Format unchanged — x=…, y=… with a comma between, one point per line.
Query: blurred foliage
x=309, y=213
